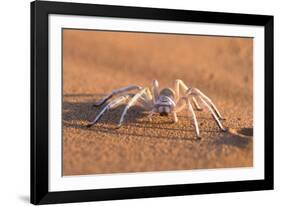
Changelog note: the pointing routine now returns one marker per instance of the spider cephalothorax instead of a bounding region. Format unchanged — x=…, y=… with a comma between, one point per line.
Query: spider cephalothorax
x=165, y=101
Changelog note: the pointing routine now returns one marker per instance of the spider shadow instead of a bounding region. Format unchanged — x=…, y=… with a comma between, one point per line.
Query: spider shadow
x=82, y=111
x=131, y=132
x=241, y=138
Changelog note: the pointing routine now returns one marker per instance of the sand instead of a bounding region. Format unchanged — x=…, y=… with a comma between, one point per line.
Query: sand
x=95, y=62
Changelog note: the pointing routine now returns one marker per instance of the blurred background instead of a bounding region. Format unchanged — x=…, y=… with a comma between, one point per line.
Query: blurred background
x=206, y=62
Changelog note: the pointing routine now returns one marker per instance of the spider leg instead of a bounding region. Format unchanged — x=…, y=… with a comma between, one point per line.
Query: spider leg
x=131, y=103
x=179, y=86
x=143, y=101
x=214, y=115
x=110, y=105
x=196, y=104
x=147, y=100
x=175, y=117
x=180, y=89
x=209, y=101
x=194, y=118
x=181, y=104
x=155, y=89
x=116, y=92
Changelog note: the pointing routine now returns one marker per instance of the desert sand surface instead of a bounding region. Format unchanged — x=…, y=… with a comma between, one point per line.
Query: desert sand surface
x=96, y=62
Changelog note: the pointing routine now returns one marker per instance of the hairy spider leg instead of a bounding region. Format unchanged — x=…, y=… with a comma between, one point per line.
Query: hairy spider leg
x=131, y=103
x=175, y=117
x=213, y=114
x=116, y=92
x=147, y=100
x=193, y=117
x=110, y=105
x=196, y=105
x=178, y=85
x=209, y=101
x=180, y=90
x=155, y=90
x=181, y=104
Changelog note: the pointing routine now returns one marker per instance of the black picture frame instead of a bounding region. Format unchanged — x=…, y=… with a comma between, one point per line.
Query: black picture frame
x=39, y=102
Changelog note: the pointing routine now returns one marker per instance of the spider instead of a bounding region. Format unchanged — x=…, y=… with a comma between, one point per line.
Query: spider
x=165, y=101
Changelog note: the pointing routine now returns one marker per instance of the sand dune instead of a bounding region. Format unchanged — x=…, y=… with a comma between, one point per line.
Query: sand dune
x=95, y=62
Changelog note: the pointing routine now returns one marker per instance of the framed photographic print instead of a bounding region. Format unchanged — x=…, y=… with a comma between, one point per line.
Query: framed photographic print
x=130, y=102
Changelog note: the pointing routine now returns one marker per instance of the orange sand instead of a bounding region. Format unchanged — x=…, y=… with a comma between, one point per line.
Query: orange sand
x=95, y=62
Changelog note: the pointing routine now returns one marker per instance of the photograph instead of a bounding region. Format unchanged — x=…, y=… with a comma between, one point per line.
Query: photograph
x=135, y=102
x=146, y=102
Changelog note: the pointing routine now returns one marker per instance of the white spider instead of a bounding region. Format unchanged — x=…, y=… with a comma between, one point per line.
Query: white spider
x=165, y=101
